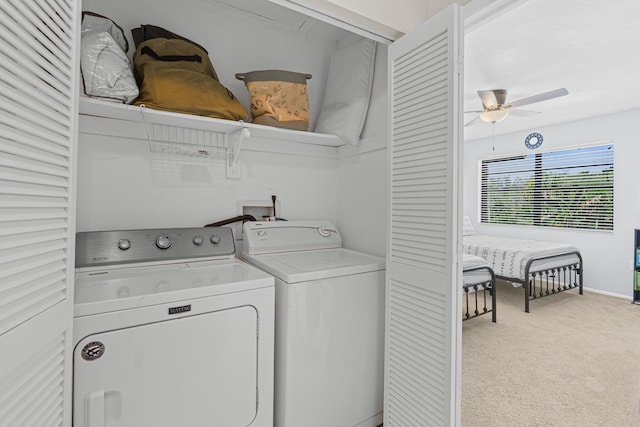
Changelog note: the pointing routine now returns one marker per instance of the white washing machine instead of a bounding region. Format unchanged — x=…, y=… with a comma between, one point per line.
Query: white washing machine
x=170, y=329
x=329, y=324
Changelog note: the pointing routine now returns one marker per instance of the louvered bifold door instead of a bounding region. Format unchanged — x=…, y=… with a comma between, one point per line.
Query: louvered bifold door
x=38, y=91
x=423, y=330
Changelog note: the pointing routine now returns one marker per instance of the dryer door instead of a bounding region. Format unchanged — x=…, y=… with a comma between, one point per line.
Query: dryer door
x=193, y=371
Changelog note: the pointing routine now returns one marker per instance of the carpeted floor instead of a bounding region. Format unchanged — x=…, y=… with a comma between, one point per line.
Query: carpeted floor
x=572, y=361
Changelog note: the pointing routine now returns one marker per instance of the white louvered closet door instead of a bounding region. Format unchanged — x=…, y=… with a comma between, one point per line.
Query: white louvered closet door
x=422, y=364
x=38, y=91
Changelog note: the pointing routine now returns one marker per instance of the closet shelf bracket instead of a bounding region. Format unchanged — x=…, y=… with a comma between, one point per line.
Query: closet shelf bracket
x=234, y=142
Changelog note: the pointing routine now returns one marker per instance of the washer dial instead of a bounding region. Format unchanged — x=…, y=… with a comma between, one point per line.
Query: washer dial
x=163, y=242
x=325, y=232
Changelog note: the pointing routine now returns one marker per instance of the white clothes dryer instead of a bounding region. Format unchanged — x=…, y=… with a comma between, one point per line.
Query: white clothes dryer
x=329, y=324
x=170, y=329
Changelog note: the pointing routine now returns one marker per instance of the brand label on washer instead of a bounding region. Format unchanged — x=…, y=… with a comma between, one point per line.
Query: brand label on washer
x=180, y=309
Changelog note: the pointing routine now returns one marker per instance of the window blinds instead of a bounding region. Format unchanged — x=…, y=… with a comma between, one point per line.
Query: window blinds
x=571, y=188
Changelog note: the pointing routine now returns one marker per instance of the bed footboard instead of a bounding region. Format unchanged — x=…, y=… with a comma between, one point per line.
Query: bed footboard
x=475, y=296
x=542, y=283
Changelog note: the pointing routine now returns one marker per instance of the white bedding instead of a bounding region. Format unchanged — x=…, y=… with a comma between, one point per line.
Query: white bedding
x=474, y=276
x=508, y=257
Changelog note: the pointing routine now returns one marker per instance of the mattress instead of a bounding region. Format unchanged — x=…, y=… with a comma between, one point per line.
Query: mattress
x=508, y=257
x=471, y=271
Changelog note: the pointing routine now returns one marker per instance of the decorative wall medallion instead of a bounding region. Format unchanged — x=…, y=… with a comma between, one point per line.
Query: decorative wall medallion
x=533, y=140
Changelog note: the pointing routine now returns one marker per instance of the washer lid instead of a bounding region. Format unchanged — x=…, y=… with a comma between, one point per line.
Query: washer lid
x=113, y=289
x=294, y=267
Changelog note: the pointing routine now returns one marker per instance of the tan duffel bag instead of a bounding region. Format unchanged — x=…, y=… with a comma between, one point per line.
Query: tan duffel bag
x=176, y=75
x=278, y=98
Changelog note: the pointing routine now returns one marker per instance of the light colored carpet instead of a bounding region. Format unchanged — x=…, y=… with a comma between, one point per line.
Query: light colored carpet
x=572, y=361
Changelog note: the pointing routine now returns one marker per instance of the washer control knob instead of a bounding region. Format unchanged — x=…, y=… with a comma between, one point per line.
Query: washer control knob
x=124, y=244
x=215, y=239
x=326, y=232
x=198, y=240
x=163, y=242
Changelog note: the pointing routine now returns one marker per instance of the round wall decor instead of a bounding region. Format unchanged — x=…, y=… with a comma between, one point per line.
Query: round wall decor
x=533, y=140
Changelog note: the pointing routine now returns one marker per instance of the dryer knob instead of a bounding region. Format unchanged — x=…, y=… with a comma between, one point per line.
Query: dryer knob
x=124, y=244
x=197, y=240
x=215, y=239
x=163, y=242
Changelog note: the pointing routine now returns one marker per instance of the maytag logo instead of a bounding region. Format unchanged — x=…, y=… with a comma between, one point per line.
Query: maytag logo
x=180, y=309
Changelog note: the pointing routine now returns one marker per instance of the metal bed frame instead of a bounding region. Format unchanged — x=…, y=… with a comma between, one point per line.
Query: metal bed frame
x=536, y=284
x=484, y=287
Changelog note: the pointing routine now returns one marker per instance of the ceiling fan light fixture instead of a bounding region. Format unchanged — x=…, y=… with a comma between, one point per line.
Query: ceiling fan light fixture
x=493, y=116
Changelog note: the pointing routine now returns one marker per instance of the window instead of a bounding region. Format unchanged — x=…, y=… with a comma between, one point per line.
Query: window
x=570, y=188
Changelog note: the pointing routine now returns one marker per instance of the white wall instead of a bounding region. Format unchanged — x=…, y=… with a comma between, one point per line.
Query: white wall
x=362, y=202
x=363, y=181
x=607, y=255
x=121, y=185
x=394, y=14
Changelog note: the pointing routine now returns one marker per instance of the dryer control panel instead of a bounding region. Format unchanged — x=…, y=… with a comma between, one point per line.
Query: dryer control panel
x=264, y=237
x=98, y=248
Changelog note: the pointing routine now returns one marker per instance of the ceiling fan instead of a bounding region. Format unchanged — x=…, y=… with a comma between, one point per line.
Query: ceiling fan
x=496, y=109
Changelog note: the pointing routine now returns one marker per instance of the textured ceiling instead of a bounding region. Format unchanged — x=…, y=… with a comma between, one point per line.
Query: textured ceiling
x=590, y=47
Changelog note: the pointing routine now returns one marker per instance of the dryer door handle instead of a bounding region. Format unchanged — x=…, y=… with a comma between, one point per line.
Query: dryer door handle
x=94, y=409
x=100, y=406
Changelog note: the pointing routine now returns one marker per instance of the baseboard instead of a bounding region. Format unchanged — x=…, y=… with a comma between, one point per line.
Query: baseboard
x=611, y=294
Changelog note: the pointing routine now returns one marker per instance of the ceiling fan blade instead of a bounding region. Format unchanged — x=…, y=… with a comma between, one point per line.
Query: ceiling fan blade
x=538, y=98
x=474, y=111
x=469, y=123
x=523, y=113
x=492, y=98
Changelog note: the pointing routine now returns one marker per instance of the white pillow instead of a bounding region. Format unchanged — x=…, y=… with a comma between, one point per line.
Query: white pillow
x=348, y=92
x=467, y=227
x=106, y=70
